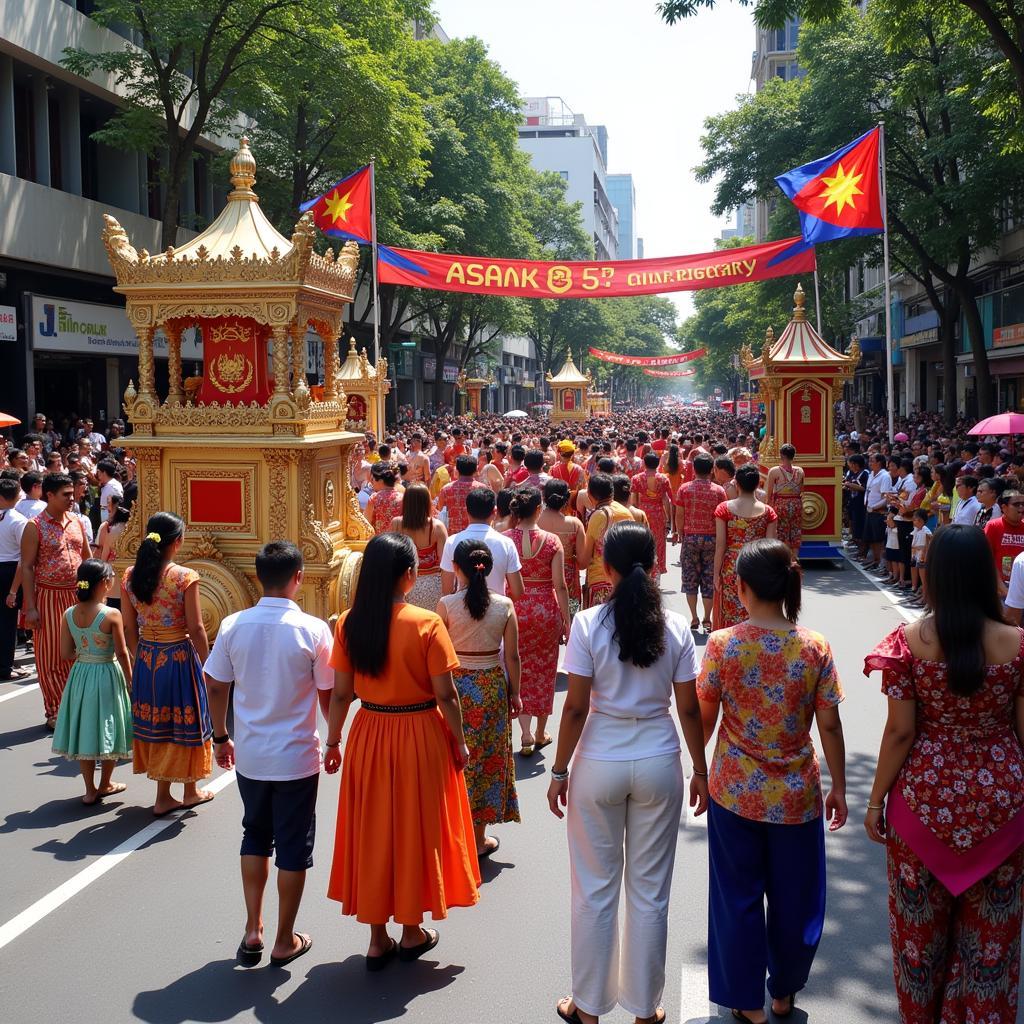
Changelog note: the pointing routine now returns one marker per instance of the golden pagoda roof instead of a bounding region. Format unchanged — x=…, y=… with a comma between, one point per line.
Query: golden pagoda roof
x=357, y=366
x=569, y=374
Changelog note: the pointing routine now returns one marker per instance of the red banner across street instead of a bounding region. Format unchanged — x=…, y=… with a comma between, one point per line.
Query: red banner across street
x=540, y=279
x=624, y=360
x=670, y=373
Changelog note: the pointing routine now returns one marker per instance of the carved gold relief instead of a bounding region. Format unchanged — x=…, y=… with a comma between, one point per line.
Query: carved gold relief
x=815, y=509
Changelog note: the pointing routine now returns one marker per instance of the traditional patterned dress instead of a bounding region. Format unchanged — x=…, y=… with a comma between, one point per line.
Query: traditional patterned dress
x=95, y=718
x=455, y=503
x=426, y=591
x=171, y=717
x=651, y=490
x=956, y=842
x=384, y=505
x=789, y=507
x=483, y=691
x=540, y=622
x=62, y=546
x=599, y=587
x=739, y=531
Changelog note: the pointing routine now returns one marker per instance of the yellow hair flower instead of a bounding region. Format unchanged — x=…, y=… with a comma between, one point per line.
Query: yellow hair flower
x=154, y=536
x=84, y=584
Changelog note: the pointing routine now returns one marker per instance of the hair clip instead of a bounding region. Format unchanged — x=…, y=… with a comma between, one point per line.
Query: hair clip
x=479, y=566
x=154, y=536
x=83, y=584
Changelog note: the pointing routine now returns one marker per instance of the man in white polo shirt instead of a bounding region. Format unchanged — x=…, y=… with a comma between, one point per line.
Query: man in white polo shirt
x=277, y=657
x=506, y=571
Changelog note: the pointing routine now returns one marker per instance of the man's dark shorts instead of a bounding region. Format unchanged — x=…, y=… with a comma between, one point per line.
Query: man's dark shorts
x=279, y=816
x=874, y=528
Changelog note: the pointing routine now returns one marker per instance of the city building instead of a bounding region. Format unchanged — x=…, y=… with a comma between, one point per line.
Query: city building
x=561, y=141
x=743, y=224
x=622, y=193
x=67, y=344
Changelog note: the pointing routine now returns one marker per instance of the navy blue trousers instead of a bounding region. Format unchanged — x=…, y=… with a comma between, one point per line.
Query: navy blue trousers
x=754, y=863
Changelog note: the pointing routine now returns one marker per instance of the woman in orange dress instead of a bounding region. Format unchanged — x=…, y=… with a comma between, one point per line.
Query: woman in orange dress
x=404, y=843
x=737, y=522
x=163, y=626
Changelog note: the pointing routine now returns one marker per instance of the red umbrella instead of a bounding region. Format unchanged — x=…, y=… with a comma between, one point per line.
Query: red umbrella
x=8, y=421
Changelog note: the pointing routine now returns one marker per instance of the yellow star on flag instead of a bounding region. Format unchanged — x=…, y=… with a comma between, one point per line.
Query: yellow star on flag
x=338, y=206
x=840, y=190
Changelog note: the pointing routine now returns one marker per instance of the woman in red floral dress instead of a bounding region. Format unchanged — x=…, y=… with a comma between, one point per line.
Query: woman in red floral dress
x=386, y=502
x=654, y=497
x=543, y=613
x=948, y=796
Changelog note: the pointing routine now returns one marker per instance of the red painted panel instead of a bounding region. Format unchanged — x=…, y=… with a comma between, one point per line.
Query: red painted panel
x=216, y=501
x=806, y=410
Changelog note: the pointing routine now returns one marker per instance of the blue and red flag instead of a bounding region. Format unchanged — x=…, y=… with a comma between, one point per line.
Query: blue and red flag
x=839, y=195
x=345, y=210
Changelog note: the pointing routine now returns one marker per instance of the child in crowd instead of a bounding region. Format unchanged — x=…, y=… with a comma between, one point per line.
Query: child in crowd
x=920, y=538
x=94, y=722
x=893, y=559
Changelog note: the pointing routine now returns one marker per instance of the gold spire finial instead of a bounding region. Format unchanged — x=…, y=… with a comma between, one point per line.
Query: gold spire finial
x=799, y=302
x=243, y=171
x=351, y=344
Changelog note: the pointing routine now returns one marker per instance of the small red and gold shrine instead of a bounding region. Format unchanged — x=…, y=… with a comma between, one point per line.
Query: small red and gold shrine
x=472, y=388
x=247, y=452
x=800, y=377
x=366, y=386
x=569, y=391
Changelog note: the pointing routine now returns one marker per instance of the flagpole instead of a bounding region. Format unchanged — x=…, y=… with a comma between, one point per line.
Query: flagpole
x=890, y=386
x=817, y=298
x=381, y=411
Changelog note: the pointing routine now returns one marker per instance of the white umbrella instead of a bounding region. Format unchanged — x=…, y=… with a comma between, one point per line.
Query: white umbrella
x=515, y=414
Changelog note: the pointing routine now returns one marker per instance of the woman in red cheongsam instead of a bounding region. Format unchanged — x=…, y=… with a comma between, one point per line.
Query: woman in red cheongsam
x=543, y=613
x=386, y=502
x=654, y=497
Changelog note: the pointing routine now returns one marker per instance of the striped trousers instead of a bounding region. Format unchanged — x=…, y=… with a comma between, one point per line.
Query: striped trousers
x=51, y=603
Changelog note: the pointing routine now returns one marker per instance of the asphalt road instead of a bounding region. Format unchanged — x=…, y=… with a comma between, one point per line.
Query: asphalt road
x=107, y=916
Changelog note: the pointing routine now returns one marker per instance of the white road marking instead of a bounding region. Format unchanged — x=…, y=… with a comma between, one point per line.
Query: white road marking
x=28, y=688
x=908, y=613
x=105, y=862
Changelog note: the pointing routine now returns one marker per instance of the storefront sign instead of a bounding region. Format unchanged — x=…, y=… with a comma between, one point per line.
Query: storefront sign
x=8, y=323
x=1013, y=334
x=451, y=370
x=928, y=337
x=63, y=325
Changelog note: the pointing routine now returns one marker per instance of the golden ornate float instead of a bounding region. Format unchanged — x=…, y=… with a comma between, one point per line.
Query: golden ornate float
x=247, y=452
x=366, y=387
x=569, y=391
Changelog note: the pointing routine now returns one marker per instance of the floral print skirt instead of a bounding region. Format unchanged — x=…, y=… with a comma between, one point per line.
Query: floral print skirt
x=490, y=773
x=956, y=959
x=170, y=715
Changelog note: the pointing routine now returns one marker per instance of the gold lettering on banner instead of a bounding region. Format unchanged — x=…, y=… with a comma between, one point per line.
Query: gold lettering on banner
x=559, y=279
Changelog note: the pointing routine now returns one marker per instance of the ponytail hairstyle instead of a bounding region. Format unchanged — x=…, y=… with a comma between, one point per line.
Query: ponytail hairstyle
x=474, y=560
x=367, y=629
x=635, y=605
x=525, y=502
x=771, y=572
x=122, y=512
x=556, y=494
x=672, y=462
x=152, y=554
x=91, y=573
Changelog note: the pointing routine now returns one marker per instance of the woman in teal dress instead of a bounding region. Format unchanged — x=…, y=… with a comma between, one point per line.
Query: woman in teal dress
x=94, y=722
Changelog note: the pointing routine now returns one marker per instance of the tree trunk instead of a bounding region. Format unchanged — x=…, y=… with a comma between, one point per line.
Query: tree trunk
x=976, y=333
x=949, y=316
x=169, y=221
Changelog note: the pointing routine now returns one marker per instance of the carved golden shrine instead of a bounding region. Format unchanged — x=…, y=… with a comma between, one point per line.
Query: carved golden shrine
x=569, y=392
x=245, y=454
x=800, y=377
x=366, y=387
x=472, y=388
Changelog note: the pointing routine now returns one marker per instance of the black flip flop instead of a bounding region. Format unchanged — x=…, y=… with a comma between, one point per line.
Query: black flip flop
x=789, y=1012
x=572, y=1018
x=489, y=851
x=378, y=963
x=249, y=956
x=741, y=1016
x=409, y=953
x=306, y=944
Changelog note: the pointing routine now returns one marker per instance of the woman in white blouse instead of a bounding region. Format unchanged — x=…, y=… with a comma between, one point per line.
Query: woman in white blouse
x=626, y=660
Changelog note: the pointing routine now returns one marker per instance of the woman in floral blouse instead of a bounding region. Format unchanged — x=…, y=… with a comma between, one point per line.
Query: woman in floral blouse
x=772, y=679
x=948, y=796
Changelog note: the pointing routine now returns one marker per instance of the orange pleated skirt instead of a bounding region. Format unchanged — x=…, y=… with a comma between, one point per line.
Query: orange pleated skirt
x=404, y=845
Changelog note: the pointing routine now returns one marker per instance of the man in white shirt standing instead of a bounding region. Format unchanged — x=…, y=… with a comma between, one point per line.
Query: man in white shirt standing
x=969, y=507
x=106, y=474
x=879, y=483
x=278, y=657
x=12, y=525
x=505, y=576
x=32, y=487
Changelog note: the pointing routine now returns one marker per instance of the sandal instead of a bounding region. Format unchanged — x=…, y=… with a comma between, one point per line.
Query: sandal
x=526, y=750
x=545, y=742
x=789, y=1012
x=305, y=945
x=409, y=953
x=249, y=956
x=707, y=625
x=489, y=851
x=741, y=1016
x=572, y=1018
x=378, y=963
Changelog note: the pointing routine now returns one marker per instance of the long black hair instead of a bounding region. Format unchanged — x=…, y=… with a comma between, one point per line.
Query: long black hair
x=771, y=572
x=963, y=593
x=672, y=462
x=473, y=558
x=90, y=574
x=636, y=603
x=162, y=530
x=367, y=629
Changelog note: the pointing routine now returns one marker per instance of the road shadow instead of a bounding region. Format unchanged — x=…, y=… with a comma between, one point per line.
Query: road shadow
x=18, y=737
x=222, y=991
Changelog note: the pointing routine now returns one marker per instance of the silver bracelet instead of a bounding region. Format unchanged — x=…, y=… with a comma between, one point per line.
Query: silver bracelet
x=560, y=776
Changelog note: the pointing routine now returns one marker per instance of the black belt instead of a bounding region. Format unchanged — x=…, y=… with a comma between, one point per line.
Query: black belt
x=398, y=709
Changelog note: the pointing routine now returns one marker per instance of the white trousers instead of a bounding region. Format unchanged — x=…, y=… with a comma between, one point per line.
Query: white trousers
x=623, y=820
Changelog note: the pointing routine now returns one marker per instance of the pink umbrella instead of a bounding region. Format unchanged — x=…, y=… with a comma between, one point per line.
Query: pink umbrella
x=900, y=437
x=1008, y=423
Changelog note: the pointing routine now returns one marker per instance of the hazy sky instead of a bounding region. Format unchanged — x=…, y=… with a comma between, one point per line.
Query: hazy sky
x=617, y=63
